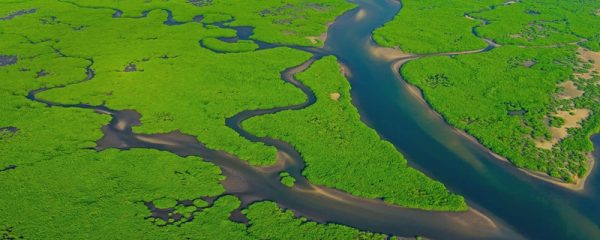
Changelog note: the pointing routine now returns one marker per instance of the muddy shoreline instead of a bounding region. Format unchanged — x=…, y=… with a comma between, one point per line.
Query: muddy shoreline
x=578, y=186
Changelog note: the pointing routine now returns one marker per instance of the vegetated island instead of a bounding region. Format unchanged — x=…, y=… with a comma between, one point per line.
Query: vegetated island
x=147, y=55
x=533, y=98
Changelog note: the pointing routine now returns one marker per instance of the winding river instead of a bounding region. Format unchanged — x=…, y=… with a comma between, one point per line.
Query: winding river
x=505, y=203
x=534, y=208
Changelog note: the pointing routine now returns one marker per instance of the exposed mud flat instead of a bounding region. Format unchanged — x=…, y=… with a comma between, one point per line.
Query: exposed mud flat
x=588, y=56
x=572, y=119
x=335, y=96
x=316, y=40
x=569, y=90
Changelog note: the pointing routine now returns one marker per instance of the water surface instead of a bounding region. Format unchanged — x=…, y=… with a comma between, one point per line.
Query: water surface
x=536, y=209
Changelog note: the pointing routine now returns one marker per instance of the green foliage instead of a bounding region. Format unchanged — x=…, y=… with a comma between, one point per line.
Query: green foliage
x=556, y=121
x=543, y=22
x=62, y=188
x=484, y=89
x=286, y=179
x=267, y=221
x=363, y=154
x=197, y=88
x=221, y=46
x=433, y=26
x=285, y=22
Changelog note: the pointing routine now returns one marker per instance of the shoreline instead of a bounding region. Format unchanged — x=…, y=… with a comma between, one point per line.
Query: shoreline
x=578, y=186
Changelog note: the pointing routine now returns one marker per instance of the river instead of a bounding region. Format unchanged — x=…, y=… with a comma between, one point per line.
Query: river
x=534, y=208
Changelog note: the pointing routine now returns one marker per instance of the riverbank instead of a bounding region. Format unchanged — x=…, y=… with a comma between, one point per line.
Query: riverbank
x=579, y=185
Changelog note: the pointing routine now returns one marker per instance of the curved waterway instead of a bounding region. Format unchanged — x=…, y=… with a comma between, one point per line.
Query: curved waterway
x=534, y=208
x=505, y=203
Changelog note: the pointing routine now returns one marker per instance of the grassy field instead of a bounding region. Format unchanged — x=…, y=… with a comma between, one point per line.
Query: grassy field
x=335, y=122
x=528, y=100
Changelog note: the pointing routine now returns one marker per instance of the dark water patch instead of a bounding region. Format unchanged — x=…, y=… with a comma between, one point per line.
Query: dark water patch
x=239, y=217
x=18, y=13
x=516, y=112
x=8, y=168
x=41, y=73
x=9, y=129
x=131, y=67
x=118, y=13
x=198, y=18
x=170, y=21
x=183, y=212
x=529, y=63
x=6, y=60
x=200, y=3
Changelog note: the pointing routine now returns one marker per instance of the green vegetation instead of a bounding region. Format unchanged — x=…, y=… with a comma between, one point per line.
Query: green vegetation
x=286, y=179
x=55, y=185
x=432, y=26
x=544, y=22
x=508, y=106
x=285, y=22
x=221, y=46
x=267, y=221
x=339, y=124
x=507, y=98
x=197, y=88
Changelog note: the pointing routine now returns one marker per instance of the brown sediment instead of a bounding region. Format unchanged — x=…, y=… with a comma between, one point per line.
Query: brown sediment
x=345, y=70
x=335, y=96
x=578, y=185
x=586, y=56
x=315, y=40
x=360, y=15
x=579, y=182
x=569, y=90
x=388, y=54
x=572, y=120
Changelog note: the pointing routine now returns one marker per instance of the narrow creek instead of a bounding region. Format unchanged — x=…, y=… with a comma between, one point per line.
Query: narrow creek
x=506, y=204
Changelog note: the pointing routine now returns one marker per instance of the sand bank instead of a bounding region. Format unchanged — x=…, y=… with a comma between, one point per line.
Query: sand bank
x=572, y=119
x=569, y=90
x=588, y=56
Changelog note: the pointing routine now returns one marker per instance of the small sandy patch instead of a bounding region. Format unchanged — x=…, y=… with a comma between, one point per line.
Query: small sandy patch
x=569, y=91
x=586, y=56
x=598, y=12
x=387, y=53
x=321, y=38
x=345, y=70
x=572, y=119
x=469, y=17
x=335, y=96
x=360, y=15
x=516, y=35
x=511, y=2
